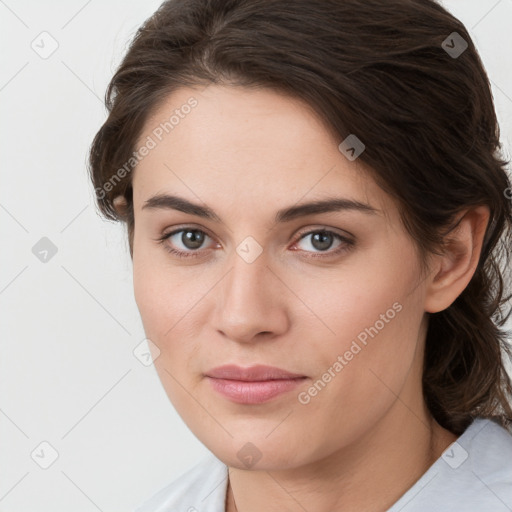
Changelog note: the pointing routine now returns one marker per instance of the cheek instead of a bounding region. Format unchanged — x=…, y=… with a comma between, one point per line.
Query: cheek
x=159, y=292
x=373, y=321
x=171, y=305
x=163, y=305
x=163, y=310
x=371, y=301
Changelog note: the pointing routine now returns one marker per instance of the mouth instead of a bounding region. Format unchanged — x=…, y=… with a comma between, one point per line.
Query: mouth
x=253, y=385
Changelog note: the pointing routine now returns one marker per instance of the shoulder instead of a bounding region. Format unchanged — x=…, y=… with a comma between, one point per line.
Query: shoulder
x=200, y=489
x=491, y=463
x=473, y=474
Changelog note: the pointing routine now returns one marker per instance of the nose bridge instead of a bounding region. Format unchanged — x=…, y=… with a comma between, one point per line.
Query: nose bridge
x=246, y=283
x=248, y=302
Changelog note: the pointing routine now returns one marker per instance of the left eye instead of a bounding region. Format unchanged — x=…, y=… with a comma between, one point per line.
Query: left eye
x=192, y=240
x=322, y=240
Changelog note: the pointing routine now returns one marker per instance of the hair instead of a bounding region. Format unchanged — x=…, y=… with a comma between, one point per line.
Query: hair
x=377, y=69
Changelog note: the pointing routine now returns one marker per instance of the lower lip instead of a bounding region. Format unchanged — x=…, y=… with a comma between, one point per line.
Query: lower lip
x=254, y=392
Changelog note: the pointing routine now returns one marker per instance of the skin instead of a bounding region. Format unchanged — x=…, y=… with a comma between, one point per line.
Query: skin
x=246, y=154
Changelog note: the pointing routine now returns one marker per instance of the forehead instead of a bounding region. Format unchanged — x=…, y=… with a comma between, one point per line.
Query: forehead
x=247, y=145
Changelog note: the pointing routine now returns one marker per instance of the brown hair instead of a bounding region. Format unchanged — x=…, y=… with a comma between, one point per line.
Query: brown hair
x=380, y=69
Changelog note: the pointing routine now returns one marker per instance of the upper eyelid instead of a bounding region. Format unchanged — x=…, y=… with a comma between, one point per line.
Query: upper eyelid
x=336, y=231
x=188, y=227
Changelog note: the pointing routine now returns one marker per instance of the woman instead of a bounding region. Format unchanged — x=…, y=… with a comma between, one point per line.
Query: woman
x=317, y=213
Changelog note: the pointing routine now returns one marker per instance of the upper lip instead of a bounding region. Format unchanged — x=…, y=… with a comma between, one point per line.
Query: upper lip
x=252, y=373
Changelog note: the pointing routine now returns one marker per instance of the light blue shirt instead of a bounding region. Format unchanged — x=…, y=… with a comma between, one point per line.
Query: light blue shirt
x=474, y=474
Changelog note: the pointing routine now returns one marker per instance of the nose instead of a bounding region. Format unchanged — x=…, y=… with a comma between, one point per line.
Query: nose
x=251, y=302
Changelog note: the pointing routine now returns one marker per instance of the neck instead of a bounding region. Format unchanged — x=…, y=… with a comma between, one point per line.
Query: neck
x=370, y=474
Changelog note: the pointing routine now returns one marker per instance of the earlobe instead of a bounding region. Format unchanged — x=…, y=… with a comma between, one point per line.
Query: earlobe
x=457, y=265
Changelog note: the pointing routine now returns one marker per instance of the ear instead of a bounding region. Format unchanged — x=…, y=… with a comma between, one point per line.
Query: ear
x=453, y=270
x=120, y=204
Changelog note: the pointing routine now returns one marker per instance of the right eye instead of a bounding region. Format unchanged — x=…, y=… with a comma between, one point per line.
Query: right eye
x=190, y=239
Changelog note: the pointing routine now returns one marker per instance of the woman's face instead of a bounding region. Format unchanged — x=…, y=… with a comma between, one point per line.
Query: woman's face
x=343, y=310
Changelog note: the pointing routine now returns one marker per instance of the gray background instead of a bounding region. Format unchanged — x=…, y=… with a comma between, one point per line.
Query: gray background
x=70, y=324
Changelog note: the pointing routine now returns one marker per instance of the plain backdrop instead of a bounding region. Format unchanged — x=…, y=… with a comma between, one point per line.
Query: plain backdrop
x=74, y=396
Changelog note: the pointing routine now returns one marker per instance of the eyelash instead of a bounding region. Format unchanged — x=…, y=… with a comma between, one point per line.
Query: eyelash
x=346, y=245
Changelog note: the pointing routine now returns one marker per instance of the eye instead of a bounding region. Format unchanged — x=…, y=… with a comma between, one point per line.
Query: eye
x=189, y=238
x=322, y=240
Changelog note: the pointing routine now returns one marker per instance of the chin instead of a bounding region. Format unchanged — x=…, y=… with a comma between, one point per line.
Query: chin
x=258, y=453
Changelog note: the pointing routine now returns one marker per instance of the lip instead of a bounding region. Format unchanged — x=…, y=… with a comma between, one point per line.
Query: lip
x=252, y=373
x=252, y=385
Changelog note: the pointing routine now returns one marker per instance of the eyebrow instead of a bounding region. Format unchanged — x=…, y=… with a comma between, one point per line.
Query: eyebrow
x=172, y=202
